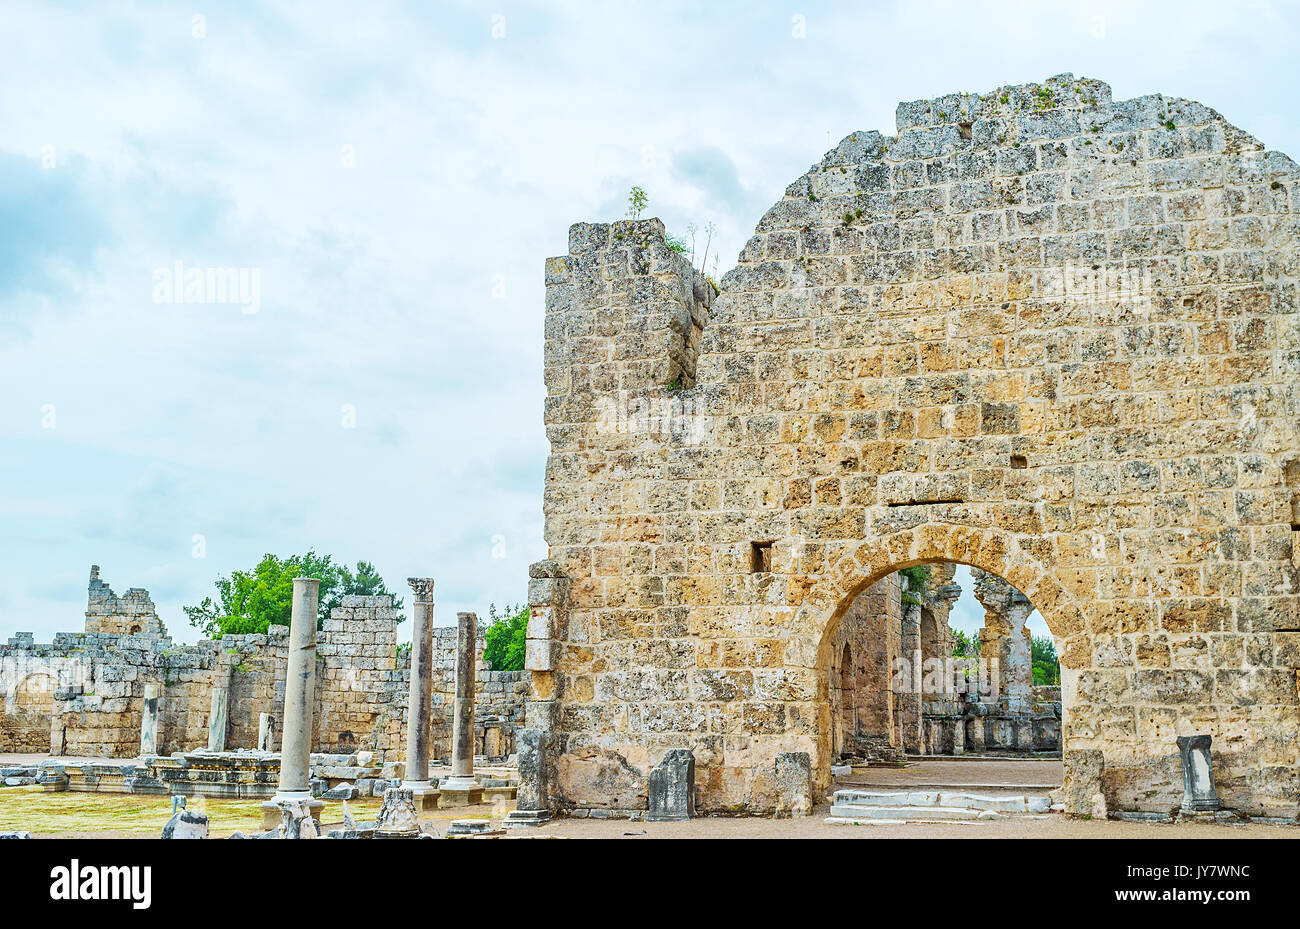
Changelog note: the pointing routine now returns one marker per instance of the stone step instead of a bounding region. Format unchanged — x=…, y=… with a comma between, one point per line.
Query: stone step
x=851, y=802
x=848, y=813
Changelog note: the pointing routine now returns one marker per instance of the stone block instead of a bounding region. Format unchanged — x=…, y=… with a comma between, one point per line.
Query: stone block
x=793, y=784
x=671, y=788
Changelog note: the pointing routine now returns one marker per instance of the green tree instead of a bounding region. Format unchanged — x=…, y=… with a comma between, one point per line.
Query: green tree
x=965, y=646
x=503, y=645
x=1047, y=668
x=252, y=601
x=917, y=576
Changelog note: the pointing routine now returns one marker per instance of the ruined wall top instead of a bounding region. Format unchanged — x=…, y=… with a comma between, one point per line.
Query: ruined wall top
x=133, y=613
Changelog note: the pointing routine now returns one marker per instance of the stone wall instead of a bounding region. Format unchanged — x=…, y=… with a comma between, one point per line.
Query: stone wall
x=82, y=694
x=1040, y=332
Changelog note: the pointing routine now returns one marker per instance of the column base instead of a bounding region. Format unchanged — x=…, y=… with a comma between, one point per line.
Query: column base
x=459, y=791
x=424, y=794
x=526, y=819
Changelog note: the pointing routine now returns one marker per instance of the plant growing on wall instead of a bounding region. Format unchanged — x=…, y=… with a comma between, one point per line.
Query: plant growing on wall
x=636, y=202
x=503, y=645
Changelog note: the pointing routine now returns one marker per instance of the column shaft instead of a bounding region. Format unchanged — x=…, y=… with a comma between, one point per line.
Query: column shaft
x=299, y=690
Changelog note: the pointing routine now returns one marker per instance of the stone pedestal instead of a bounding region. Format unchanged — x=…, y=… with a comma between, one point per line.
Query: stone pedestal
x=672, y=788
x=149, y=721
x=398, y=817
x=417, y=707
x=1199, y=794
x=299, y=705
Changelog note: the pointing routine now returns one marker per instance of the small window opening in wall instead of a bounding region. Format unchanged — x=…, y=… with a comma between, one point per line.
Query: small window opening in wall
x=963, y=129
x=760, y=557
x=1019, y=461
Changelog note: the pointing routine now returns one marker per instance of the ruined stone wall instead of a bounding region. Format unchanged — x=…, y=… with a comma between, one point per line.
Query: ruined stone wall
x=1038, y=332
x=865, y=711
x=82, y=694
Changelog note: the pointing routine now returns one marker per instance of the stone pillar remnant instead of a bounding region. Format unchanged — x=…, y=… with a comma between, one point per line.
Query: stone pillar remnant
x=1199, y=794
x=1005, y=639
x=265, y=732
x=417, y=707
x=1082, y=795
x=149, y=721
x=672, y=788
x=532, y=802
x=461, y=789
x=299, y=705
x=219, y=711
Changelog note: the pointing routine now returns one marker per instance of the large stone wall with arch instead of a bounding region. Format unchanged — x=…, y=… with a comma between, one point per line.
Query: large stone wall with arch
x=1036, y=331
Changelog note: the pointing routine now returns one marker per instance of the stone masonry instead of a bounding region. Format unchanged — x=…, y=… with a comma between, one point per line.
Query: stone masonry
x=1036, y=331
x=83, y=694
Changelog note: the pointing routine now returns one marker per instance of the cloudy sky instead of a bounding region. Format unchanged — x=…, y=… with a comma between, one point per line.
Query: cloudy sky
x=393, y=176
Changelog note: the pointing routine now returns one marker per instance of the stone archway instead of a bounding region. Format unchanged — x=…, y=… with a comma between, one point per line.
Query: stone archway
x=991, y=551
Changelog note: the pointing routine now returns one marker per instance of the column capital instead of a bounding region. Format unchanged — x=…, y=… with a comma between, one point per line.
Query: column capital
x=422, y=587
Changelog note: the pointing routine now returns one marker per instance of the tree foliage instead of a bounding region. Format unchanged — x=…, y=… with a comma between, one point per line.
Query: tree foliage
x=1047, y=669
x=503, y=646
x=965, y=646
x=252, y=601
x=917, y=576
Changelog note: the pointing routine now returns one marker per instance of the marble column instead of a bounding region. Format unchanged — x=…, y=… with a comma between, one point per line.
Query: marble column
x=265, y=732
x=461, y=788
x=149, y=721
x=417, y=706
x=219, y=708
x=299, y=703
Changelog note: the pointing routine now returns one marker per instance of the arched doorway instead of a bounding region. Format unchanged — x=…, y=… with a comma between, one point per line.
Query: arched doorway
x=833, y=601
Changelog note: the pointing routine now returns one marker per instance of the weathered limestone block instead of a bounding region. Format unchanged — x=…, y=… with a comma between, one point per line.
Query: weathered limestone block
x=186, y=824
x=793, y=784
x=671, y=788
x=1081, y=792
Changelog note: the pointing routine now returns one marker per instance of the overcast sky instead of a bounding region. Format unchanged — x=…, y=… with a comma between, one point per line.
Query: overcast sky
x=395, y=176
